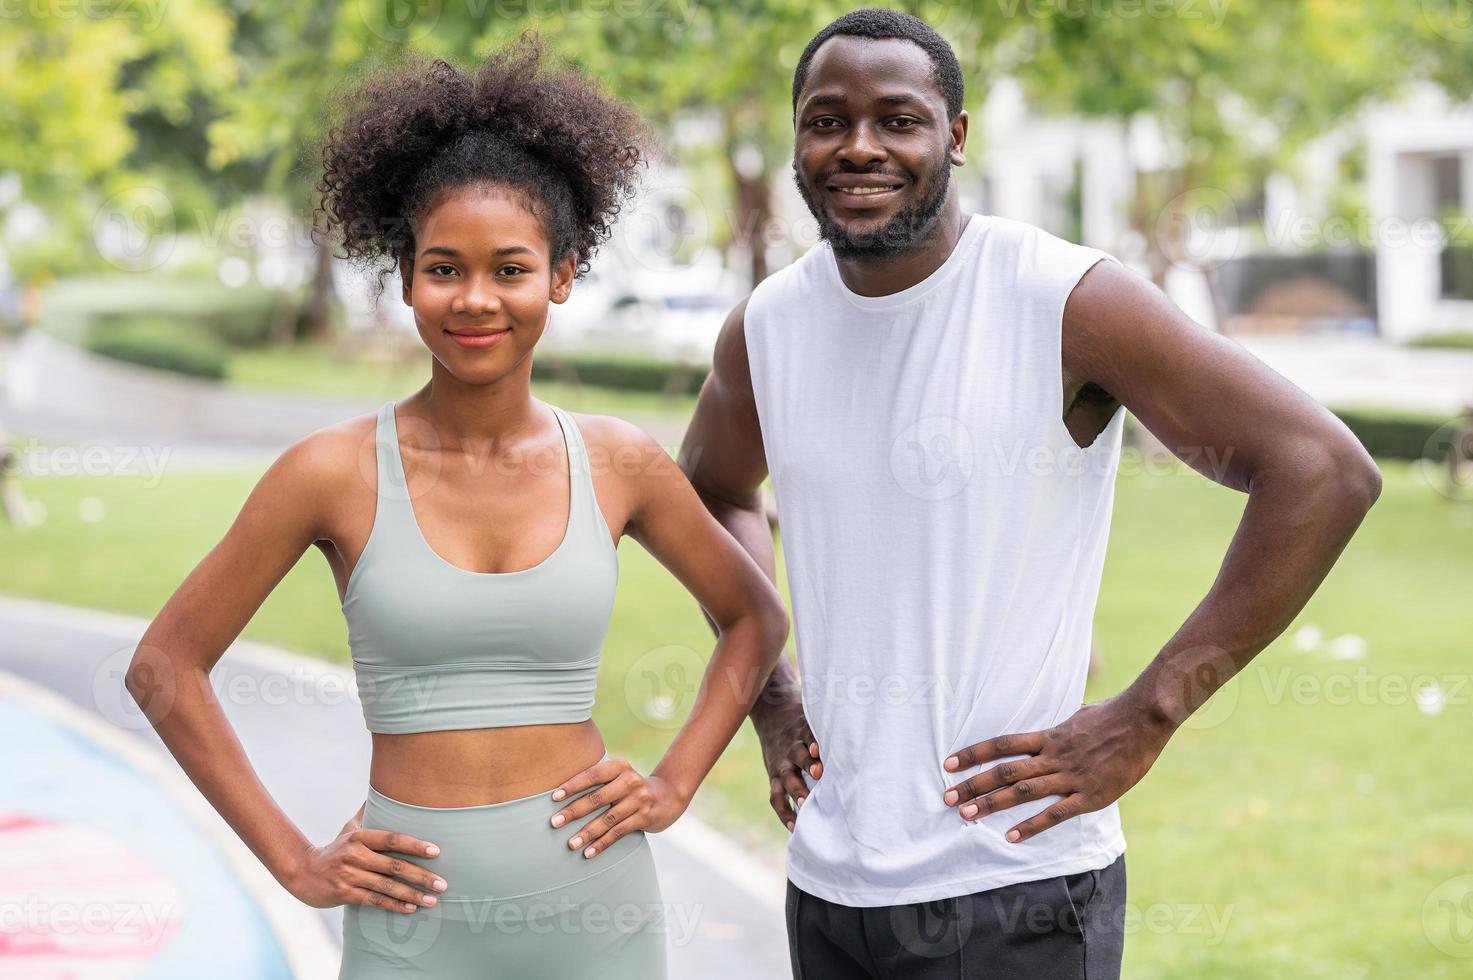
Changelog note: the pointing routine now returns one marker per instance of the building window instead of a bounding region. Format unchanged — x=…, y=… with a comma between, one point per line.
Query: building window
x=1457, y=254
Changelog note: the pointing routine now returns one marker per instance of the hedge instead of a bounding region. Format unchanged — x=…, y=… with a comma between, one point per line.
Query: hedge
x=1391, y=434
x=160, y=343
x=619, y=371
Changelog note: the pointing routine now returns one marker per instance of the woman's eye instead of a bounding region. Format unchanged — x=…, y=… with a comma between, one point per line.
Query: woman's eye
x=511, y=270
x=436, y=269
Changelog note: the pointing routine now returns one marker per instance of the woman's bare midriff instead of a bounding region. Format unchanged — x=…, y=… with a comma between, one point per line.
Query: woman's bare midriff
x=471, y=767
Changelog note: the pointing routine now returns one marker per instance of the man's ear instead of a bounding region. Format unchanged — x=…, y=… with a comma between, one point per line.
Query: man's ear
x=406, y=278
x=959, y=139
x=562, y=279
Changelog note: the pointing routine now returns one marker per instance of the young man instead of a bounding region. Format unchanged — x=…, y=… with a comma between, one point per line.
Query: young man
x=938, y=398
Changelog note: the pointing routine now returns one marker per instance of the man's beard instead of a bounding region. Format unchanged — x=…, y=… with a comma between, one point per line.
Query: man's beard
x=907, y=229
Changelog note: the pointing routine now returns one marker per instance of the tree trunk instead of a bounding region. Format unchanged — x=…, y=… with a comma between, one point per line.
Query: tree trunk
x=753, y=204
x=316, y=323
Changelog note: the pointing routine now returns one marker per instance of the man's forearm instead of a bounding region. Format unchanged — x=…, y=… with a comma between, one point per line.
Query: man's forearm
x=1298, y=520
x=747, y=522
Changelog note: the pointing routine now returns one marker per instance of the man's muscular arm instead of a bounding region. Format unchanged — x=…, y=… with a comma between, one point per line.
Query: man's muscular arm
x=1226, y=414
x=722, y=456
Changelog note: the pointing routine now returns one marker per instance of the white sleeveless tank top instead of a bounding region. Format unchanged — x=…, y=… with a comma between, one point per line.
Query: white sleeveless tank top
x=943, y=537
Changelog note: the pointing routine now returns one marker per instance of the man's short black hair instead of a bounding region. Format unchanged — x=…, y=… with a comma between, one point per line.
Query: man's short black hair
x=873, y=22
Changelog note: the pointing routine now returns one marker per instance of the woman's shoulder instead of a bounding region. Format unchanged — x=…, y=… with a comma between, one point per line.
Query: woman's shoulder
x=334, y=458
x=622, y=447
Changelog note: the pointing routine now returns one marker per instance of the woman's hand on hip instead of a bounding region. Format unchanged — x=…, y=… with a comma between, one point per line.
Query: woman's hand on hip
x=634, y=802
x=353, y=870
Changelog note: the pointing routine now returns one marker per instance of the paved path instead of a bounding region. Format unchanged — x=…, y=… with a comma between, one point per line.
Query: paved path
x=302, y=726
x=1351, y=371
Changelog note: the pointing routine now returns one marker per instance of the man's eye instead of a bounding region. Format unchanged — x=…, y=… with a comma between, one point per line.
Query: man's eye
x=903, y=123
x=823, y=122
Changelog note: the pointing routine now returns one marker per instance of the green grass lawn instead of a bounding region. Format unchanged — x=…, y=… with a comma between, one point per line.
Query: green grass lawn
x=1296, y=830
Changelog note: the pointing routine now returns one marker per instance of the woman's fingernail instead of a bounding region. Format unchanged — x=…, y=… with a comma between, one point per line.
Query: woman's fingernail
x=970, y=810
x=558, y=794
x=558, y=820
x=952, y=761
x=951, y=797
x=575, y=842
x=800, y=801
x=590, y=852
x=432, y=850
x=428, y=899
x=790, y=825
x=1013, y=835
x=439, y=885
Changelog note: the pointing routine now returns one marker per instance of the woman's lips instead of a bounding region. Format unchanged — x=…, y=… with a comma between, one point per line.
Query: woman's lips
x=480, y=340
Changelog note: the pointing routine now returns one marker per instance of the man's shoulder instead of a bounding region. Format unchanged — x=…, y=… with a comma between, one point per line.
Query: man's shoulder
x=1040, y=256
x=797, y=274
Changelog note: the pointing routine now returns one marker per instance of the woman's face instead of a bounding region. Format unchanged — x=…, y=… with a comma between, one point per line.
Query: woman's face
x=480, y=282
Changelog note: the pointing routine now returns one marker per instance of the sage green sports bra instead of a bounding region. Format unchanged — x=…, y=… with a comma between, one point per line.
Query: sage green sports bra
x=437, y=647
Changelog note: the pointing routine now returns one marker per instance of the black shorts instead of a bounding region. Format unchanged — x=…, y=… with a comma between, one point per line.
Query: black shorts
x=1070, y=927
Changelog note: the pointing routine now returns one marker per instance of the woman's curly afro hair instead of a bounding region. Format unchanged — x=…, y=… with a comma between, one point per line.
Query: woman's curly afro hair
x=410, y=133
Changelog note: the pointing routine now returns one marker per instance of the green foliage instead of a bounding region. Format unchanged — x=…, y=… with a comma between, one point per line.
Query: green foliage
x=1388, y=434
x=168, y=345
x=1460, y=339
x=235, y=317
x=621, y=373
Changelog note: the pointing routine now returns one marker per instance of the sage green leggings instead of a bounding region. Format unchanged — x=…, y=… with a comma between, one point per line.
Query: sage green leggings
x=519, y=903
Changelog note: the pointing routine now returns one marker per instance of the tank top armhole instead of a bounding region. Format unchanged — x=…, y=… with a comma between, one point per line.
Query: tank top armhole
x=584, y=486
x=1077, y=260
x=380, y=435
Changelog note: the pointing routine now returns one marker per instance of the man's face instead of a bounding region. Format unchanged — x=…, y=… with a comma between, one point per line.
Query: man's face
x=873, y=149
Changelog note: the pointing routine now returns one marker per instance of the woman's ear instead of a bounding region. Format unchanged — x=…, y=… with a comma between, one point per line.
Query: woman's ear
x=406, y=278
x=562, y=279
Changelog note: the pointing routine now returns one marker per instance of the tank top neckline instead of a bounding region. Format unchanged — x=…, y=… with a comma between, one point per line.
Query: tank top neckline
x=972, y=226
x=397, y=462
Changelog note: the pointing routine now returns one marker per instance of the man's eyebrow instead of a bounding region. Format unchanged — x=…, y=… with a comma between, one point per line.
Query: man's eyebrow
x=839, y=98
x=454, y=254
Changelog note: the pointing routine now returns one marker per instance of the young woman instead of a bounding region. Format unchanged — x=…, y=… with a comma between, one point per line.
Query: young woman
x=472, y=531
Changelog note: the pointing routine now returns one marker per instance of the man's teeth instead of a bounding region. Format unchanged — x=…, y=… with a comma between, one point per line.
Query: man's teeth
x=867, y=190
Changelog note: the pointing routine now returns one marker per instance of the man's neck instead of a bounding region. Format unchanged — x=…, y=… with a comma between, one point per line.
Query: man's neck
x=881, y=277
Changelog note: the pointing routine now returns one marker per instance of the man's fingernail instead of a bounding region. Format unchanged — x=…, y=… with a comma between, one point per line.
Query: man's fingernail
x=790, y=825
x=970, y=810
x=558, y=794
x=439, y=885
x=813, y=770
x=432, y=850
x=589, y=853
x=1013, y=835
x=951, y=796
x=800, y=801
x=558, y=820
x=952, y=761
x=576, y=841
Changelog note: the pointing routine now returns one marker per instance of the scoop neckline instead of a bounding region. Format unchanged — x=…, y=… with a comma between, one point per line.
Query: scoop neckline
x=419, y=531
x=970, y=231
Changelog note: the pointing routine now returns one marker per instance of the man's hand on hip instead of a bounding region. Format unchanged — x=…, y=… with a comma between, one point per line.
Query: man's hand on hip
x=1089, y=760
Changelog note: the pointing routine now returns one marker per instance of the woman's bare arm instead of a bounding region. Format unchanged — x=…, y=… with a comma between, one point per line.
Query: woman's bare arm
x=169, y=673
x=670, y=521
